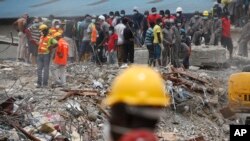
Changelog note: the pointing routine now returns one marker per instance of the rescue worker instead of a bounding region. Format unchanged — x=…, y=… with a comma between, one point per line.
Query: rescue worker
x=216, y=28
x=119, y=28
x=158, y=39
x=128, y=43
x=93, y=38
x=180, y=17
x=167, y=42
x=117, y=16
x=217, y=8
x=137, y=18
x=168, y=17
x=176, y=43
x=243, y=40
x=46, y=44
x=85, y=48
x=149, y=38
x=19, y=25
x=60, y=60
x=55, y=28
x=153, y=16
x=226, y=40
x=123, y=14
x=136, y=100
x=185, y=49
x=103, y=35
x=194, y=26
x=34, y=35
x=144, y=25
x=69, y=36
x=162, y=13
x=205, y=28
x=111, y=18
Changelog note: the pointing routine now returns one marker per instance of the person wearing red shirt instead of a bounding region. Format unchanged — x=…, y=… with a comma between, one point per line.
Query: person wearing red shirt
x=60, y=60
x=154, y=16
x=226, y=40
x=112, y=45
x=111, y=17
x=168, y=18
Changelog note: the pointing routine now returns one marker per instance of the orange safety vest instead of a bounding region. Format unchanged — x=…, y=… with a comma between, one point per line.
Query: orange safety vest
x=93, y=34
x=44, y=45
x=61, y=54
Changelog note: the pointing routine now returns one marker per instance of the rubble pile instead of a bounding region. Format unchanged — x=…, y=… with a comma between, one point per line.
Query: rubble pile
x=75, y=112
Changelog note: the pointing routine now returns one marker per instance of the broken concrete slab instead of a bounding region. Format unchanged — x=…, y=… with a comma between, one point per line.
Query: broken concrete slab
x=141, y=56
x=227, y=112
x=208, y=56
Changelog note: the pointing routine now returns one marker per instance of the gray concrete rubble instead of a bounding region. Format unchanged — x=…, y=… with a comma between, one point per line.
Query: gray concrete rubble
x=208, y=56
x=141, y=56
x=76, y=111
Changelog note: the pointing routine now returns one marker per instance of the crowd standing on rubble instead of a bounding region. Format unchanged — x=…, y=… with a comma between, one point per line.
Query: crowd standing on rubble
x=138, y=94
x=112, y=38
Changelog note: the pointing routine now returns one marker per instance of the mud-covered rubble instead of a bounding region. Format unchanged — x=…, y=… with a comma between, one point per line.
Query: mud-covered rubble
x=75, y=112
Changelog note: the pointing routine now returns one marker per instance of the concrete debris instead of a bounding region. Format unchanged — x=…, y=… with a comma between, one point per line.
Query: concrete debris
x=97, y=84
x=208, y=56
x=75, y=112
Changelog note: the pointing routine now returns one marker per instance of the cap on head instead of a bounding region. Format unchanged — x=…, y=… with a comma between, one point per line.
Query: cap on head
x=93, y=16
x=57, y=34
x=111, y=13
x=123, y=12
x=167, y=12
x=153, y=9
x=205, y=13
x=179, y=9
x=135, y=8
x=138, y=85
x=101, y=17
x=117, y=13
x=43, y=27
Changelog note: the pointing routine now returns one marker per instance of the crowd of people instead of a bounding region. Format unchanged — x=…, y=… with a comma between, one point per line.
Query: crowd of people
x=111, y=38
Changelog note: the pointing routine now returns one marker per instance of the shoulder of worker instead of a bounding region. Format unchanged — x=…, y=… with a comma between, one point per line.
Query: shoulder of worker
x=63, y=42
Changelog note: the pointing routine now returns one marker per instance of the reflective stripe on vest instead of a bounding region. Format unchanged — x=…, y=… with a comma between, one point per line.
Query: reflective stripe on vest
x=44, y=45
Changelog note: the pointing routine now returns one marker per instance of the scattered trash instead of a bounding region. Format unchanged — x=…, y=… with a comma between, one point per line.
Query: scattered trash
x=75, y=113
x=97, y=84
x=123, y=66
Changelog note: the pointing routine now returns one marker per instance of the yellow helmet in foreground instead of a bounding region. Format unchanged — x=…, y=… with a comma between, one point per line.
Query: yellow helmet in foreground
x=138, y=86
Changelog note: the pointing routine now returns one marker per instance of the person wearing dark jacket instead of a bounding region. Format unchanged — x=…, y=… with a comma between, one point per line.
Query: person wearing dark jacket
x=128, y=43
x=144, y=25
x=185, y=49
x=137, y=20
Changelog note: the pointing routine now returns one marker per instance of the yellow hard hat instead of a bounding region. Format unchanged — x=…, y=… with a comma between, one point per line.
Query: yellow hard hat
x=205, y=13
x=43, y=26
x=138, y=86
x=57, y=34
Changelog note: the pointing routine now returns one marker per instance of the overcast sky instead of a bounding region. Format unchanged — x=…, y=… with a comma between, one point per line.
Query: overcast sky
x=15, y=8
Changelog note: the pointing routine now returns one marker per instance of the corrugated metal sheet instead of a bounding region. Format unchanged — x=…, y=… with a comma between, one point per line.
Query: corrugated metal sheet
x=15, y=8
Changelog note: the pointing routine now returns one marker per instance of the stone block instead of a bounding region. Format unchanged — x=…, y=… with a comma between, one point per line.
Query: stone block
x=208, y=56
x=141, y=56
